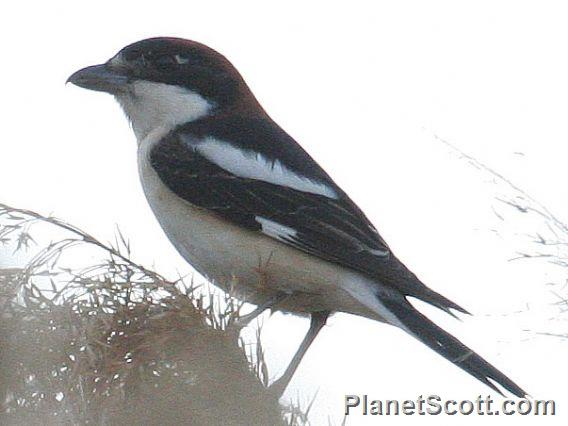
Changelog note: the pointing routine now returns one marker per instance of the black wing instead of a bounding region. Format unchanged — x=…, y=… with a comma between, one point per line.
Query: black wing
x=331, y=228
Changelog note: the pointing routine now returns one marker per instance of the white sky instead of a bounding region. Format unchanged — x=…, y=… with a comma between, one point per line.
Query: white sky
x=364, y=87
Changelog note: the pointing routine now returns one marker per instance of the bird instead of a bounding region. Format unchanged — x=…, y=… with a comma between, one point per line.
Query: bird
x=248, y=208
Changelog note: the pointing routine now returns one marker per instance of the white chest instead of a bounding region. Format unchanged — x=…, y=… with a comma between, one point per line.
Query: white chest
x=199, y=237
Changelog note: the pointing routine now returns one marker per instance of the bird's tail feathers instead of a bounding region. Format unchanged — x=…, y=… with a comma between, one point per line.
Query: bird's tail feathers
x=416, y=324
x=439, y=301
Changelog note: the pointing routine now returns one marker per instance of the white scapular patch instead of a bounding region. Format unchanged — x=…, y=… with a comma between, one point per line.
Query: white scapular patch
x=249, y=164
x=151, y=105
x=275, y=229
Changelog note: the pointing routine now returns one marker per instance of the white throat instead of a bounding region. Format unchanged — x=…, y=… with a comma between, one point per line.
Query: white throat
x=151, y=106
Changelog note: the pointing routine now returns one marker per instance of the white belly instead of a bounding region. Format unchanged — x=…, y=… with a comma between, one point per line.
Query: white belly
x=248, y=263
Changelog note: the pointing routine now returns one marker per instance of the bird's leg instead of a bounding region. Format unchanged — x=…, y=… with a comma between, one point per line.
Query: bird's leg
x=244, y=320
x=318, y=320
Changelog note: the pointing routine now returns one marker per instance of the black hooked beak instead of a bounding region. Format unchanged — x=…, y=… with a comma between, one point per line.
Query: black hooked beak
x=101, y=78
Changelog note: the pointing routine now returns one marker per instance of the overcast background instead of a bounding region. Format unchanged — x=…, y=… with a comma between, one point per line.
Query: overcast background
x=368, y=88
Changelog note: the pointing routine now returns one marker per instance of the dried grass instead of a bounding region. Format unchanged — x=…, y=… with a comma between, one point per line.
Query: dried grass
x=112, y=342
x=542, y=234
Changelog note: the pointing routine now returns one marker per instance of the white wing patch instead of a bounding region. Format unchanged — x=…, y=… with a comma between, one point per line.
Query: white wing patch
x=377, y=252
x=249, y=164
x=275, y=229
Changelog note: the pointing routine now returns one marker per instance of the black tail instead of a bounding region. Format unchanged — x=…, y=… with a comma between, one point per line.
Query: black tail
x=450, y=347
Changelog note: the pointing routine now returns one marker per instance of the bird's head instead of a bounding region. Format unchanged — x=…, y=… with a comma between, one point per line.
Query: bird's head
x=165, y=82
